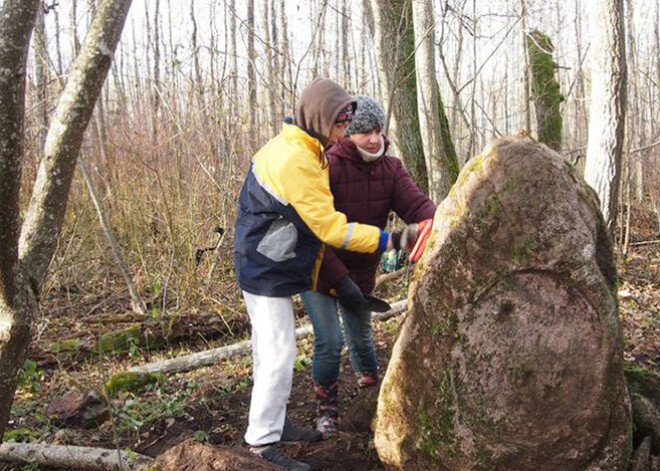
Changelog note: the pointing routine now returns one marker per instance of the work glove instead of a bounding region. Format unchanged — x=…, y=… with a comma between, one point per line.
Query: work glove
x=413, y=238
x=349, y=294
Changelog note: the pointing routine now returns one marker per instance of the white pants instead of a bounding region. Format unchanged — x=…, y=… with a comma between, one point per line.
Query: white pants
x=273, y=355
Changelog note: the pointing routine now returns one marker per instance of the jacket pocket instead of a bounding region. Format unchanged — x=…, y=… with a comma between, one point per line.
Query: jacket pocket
x=280, y=241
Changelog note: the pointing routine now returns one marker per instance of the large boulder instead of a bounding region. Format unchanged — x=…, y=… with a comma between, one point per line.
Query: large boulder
x=510, y=357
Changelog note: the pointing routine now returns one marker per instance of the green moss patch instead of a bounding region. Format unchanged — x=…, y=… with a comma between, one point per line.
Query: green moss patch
x=128, y=381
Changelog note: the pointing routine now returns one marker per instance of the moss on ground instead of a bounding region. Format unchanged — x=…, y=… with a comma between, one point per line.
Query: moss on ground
x=128, y=381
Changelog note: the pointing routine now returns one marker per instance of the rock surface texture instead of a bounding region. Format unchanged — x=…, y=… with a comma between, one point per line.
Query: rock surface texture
x=510, y=356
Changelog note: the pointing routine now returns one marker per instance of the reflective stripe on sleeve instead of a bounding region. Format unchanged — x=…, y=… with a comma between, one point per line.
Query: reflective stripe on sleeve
x=349, y=233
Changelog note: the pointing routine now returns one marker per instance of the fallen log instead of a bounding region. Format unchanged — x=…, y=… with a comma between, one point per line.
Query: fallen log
x=387, y=277
x=211, y=357
x=74, y=457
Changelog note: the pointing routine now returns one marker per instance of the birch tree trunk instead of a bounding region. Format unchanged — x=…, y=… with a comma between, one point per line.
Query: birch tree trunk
x=156, y=84
x=271, y=84
x=607, y=110
x=252, y=86
x=526, y=95
x=47, y=208
x=636, y=130
x=439, y=153
x=580, y=109
x=41, y=74
x=198, y=89
x=395, y=46
x=288, y=94
x=58, y=42
x=17, y=18
x=233, y=68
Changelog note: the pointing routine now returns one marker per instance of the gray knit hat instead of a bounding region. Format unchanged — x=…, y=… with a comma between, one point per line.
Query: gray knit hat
x=368, y=116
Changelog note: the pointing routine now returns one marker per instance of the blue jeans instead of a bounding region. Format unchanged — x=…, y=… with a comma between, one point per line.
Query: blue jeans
x=328, y=339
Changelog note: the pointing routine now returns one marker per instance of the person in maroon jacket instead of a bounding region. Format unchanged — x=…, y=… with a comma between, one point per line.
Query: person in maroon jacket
x=366, y=184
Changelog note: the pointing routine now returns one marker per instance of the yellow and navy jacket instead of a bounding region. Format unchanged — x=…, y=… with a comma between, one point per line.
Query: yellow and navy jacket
x=285, y=211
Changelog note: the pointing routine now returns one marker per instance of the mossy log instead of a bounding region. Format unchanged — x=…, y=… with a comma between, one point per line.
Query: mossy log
x=129, y=381
x=149, y=335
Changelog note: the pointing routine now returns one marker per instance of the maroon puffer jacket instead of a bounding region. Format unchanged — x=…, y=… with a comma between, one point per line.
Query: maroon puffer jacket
x=366, y=192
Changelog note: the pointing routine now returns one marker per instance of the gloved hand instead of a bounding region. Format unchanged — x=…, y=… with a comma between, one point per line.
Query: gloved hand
x=349, y=294
x=413, y=238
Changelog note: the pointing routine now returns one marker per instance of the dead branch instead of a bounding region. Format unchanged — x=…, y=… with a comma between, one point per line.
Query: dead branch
x=73, y=457
x=386, y=278
x=645, y=242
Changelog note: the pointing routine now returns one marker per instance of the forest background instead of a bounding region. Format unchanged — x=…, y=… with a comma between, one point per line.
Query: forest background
x=196, y=87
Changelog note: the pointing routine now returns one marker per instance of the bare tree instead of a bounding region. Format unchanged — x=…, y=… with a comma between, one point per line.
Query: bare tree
x=607, y=110
x=198, y=89
x=41, y=68
x=579, y=94
x=47, y=207
x=288, y=94
x=345, y=31
x=155, y=87
x=441, y=161
x=252, y=82
x=526, y=95
x=17, y=18
x=395, y=49
x=271, y=85
x=58, y=42
x=233, y=68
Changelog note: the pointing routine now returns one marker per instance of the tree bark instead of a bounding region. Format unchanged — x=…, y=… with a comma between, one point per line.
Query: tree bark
x=345, y=31
x=288, y=95
x=526, y=95
x=47, y=208
x=17, y=19
x=41, y=74
x=58, y=42
x=545, y=88
x=156, y=83
x=439, y=152
x=233, y=68
x=271, y=82
x=395, y=46
x=252, y=85
x=198, y=89
x=607, y=110
x=579, y=95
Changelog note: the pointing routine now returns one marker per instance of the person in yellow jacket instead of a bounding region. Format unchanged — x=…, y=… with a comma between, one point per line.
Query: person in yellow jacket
x=286, y=212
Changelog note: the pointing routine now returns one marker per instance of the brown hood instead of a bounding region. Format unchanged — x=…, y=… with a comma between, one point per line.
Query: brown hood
x=319, y=106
